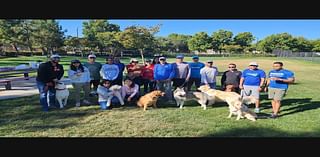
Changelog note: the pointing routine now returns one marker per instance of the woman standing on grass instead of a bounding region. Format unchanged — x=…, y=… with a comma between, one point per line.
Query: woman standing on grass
x=130, y=92
x=147, y=76
x=80, y=79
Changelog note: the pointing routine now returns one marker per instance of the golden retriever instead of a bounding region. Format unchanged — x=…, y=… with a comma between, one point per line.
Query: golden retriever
x=234, y=100
x=150, y=99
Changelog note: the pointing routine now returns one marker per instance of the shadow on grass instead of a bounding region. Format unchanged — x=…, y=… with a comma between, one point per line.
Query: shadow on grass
x=20, y=112
x=262, y=132
x=294, y=105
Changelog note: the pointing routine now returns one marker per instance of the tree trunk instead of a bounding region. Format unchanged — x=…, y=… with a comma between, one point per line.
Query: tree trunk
x=31, y=49
x=142, y=57
x=16, y=48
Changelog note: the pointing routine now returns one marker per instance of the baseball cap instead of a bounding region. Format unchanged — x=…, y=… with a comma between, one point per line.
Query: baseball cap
x=180, y=56
x=55, y=56
x=75, y=61
x=195, y=57
x=92, y=56
x=162, y=58
x=134, y=60
x=253, y=63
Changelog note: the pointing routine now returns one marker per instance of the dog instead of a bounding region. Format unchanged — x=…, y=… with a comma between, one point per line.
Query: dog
x=243, y=112
x=150, y=99
x=181, y=96
x=116, y=89
x=234, y=100
x=62, y=94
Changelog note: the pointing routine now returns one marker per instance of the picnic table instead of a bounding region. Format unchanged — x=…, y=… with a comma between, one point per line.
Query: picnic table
x=10, y=71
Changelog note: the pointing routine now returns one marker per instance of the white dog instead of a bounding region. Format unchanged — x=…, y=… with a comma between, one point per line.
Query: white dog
x=116, y=89
x=234, y=101
x=62, y=94
x=181, y=96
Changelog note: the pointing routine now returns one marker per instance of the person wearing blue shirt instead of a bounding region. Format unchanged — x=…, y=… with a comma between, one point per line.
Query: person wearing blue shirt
x=121, y=67
x=251, y=83
x=195, y=76
x=278, y=82
x=163, y=74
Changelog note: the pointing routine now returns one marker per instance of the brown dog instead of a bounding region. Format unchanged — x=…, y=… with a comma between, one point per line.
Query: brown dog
x=150, y=99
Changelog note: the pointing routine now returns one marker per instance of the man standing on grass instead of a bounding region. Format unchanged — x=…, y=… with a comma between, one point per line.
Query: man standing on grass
x=47, y=75
x=252, y=81
x=94, y=69
x=195, y=76
x=209, y=74
x=182, y=71
x=231, y=78
x=163, y=74
x=278, y=80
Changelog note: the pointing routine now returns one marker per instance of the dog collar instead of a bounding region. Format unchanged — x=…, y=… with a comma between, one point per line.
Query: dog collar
x=61, y=89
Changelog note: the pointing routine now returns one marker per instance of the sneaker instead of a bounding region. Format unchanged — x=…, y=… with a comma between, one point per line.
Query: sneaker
x=78, y=104
x=257, y=110
x=273, y=116
x=86, y=102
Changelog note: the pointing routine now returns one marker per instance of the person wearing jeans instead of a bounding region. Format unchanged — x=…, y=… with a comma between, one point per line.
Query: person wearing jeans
x=163, y=74
x=47, y=75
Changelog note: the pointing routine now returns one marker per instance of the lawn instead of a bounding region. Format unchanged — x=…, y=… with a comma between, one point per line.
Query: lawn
x=300, y=112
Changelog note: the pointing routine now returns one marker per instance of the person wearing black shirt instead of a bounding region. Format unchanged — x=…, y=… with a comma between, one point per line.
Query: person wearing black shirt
x=230, y=79
x=47, y=75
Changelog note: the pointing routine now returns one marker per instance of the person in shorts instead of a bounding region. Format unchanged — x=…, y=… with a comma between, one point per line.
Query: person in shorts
x=252, y=82
x=278, y=82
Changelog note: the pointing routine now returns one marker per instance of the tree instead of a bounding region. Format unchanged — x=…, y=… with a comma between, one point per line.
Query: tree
x=138, y=37
x=179, y=42
x=48, y=35
x=110, y=40
x=243, y=39
x=233, y=48
x=221, y=38
x=11, y=32
x=200, y=41
x=164, y=44
x=302, y=44
x=73, y=43
x=93, y=27
x=284, y=41
x=316, y=45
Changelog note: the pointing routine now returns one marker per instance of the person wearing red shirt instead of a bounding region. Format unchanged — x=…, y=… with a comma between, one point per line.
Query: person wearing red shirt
x=147, y=76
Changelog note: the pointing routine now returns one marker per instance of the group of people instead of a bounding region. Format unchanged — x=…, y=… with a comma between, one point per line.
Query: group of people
x=95, y=79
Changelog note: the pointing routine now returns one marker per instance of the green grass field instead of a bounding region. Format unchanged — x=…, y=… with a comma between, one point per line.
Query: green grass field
x=300, y=112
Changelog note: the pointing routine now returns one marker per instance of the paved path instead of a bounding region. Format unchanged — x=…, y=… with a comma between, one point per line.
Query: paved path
x=22, y=88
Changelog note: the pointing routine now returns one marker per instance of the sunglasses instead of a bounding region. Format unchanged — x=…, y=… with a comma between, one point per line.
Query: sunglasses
x=232, y=67
x=92, y=58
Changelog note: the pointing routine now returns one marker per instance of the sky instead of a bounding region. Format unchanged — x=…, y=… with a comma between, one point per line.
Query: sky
x=309, y=29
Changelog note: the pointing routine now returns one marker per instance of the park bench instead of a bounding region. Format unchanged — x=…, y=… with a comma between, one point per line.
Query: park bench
x=7, y=83
x=6, y=72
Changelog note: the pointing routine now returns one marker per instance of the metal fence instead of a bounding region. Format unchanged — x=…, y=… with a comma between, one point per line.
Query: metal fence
x=308, y=56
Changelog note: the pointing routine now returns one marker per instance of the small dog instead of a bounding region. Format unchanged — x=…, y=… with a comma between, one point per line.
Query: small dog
x=150, y=99
x=202, y=98
x=116, y=89
x=62, y=94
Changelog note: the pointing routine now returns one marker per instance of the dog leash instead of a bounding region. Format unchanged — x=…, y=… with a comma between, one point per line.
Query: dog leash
x=243, y=92
x=183, y=84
